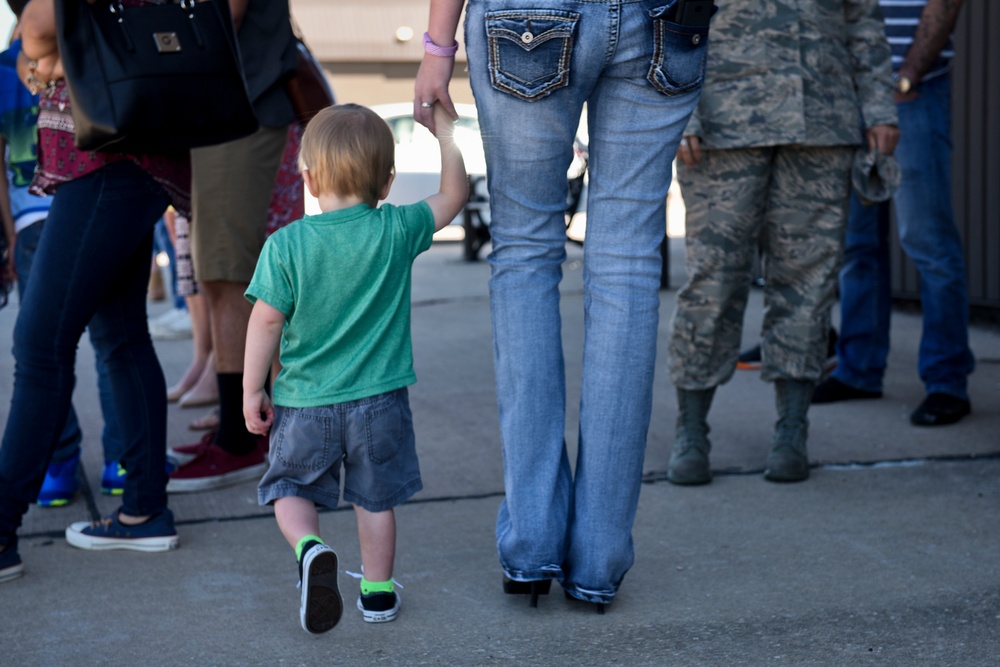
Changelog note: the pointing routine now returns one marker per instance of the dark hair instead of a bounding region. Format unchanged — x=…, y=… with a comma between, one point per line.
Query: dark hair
x=17, y=6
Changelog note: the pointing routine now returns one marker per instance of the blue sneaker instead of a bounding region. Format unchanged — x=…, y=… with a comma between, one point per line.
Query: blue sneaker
x=113, y=479
x=157, y=534
x=10, y=563
x=61, y=482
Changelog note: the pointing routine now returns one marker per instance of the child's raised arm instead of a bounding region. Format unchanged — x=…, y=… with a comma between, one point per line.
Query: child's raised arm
x=263, y=336
x=454, y=193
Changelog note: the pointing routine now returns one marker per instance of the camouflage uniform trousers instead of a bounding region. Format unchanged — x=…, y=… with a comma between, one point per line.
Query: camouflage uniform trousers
x=792, y=203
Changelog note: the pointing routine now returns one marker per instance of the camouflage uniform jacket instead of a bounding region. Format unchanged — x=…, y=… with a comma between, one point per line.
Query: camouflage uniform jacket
x=782, y=72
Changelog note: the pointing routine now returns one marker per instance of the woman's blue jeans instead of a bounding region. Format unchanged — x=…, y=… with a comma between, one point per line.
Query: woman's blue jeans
x=532, y=70
x=69, y=440
x=91, y=266
x=928, y=234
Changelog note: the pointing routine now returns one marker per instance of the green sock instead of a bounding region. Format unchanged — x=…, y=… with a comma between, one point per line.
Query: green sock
x=303, y=542
x=369, y=587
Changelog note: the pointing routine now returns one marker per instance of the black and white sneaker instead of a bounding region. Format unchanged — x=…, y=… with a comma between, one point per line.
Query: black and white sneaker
x=321, y=605
x=379, y=607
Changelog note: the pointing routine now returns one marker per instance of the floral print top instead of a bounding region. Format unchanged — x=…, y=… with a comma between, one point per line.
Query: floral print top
x=60, y=161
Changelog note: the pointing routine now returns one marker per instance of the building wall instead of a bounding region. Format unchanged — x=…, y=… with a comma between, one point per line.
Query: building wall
x=371, y=49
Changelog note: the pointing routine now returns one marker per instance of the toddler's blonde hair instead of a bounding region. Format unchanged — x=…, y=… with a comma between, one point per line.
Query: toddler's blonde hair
x=349, y=151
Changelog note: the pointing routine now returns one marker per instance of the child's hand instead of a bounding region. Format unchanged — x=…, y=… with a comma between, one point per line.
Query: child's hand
x=258, y=412
x=444, y=123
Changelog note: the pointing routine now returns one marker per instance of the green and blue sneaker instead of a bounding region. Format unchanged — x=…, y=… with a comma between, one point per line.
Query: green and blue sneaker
x=113, y=479
x=61, y=482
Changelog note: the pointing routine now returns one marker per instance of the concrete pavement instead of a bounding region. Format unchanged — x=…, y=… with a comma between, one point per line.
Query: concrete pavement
x=886, y=556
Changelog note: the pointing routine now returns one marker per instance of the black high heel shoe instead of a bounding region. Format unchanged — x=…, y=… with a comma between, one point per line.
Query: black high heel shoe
x=599, y=606
x=532, y=588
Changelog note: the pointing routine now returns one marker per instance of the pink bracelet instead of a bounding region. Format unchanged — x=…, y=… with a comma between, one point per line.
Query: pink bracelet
x=435, y=50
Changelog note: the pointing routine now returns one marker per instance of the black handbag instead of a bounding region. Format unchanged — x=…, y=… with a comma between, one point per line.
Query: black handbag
x=308, y=89
x=153, y=78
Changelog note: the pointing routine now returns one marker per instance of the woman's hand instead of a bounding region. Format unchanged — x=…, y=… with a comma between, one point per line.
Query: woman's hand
x=432, y=86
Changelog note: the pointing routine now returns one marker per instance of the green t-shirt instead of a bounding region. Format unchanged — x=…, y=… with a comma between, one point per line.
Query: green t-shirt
x=342, y=279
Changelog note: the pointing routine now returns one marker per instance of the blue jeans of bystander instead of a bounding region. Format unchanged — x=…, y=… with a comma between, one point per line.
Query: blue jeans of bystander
x=69, y=440
x=92, y=266
x=928, y=235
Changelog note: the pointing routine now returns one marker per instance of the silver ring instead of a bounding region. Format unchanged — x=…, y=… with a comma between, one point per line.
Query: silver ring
x=427, y=105
x=684, y=142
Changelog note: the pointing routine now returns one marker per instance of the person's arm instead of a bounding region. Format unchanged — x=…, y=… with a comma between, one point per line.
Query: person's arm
x=38, y=45
x=937, y=22
x=435, y=71
x=38, y=29
x=454, y=191
x=871, y=61
x=263, y=335
x=238, y=8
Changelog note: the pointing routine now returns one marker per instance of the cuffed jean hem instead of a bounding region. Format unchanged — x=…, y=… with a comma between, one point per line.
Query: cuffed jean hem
x=600, y=597
x=545, y=572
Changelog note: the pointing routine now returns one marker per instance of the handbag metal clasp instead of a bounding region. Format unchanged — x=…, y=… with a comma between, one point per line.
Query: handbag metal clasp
x=167, y=42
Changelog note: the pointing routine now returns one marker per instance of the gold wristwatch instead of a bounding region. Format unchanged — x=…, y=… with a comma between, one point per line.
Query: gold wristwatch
x=903, y=84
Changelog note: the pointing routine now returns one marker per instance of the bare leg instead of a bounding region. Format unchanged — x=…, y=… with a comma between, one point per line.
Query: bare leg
x=377, y=535
x=297, y=517
x=205, y=390
x=230, y=313
x=201, y=335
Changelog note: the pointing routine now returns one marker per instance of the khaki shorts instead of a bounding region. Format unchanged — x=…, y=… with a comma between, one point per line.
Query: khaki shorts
x=231, y=187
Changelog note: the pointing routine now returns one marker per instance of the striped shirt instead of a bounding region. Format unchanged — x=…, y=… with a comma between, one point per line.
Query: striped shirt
x=901, y=19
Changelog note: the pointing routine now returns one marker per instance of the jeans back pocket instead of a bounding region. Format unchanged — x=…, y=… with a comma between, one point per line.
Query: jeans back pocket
x=679, y=54
x=385, y=419
x=529, y=50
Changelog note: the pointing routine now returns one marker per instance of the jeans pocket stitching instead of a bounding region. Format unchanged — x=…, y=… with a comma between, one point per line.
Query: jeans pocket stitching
x=383, y=454
x=507, y=81
x=281, y=451
x=660, y=70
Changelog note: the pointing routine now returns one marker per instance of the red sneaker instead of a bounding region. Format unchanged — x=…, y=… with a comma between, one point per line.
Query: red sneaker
x=184, y=454
x=214, y=468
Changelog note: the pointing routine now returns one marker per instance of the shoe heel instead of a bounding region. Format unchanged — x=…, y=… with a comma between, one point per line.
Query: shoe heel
x=532, y=588
x=599, y=607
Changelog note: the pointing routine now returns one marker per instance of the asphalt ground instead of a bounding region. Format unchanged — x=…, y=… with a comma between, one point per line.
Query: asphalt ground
x=886, y=556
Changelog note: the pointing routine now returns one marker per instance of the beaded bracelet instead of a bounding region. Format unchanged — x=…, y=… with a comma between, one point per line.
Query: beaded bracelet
x=34, y=83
